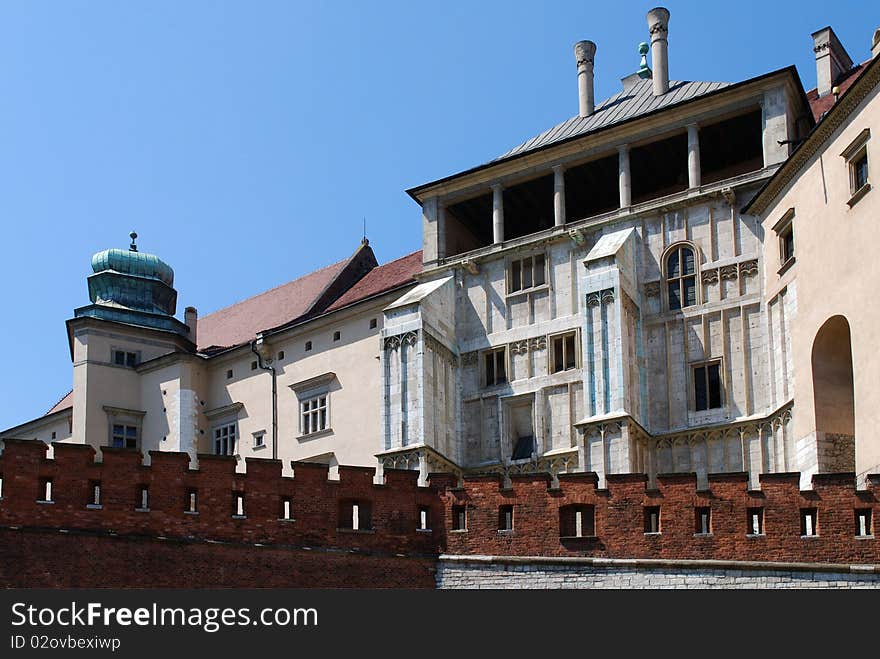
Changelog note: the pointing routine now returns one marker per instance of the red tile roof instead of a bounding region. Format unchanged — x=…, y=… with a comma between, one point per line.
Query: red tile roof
x=241, y=321
x=63, y=404
x=381, y=279
x=820, y=106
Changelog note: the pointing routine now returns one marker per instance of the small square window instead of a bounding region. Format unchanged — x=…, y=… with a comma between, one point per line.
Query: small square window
x=254, y=366
x=755, y=521
x=373, y=323
x=577, y=521
x=308, y=345
x=702, y=520
x=336, y=336
x=495, y=367
x=707, y=386
x=808, y=522
x=505, y=518
x=863, y=523
x=259, y=440
x=459, y=518
x=280, y=355
x=229, y=374
x=652, y=519
x=53, y=434
x=119, y=357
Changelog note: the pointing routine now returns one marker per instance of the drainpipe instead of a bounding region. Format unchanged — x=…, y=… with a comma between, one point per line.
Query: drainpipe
x=271, y=369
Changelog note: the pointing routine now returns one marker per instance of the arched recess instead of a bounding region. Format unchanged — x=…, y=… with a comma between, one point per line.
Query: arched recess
x=833, y=396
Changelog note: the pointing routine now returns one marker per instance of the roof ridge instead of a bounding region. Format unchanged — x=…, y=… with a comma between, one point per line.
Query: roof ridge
x=313, y=307
x=275, y=288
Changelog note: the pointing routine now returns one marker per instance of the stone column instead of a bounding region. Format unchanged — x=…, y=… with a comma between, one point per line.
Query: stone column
x=441, y=230
x=559, y=195
x=624, y=176
x=584, y=52
x=694, y=178
x=658, y=26
x=497, y=213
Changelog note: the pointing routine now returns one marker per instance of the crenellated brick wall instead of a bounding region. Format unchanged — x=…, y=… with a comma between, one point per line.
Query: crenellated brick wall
x=70, y=541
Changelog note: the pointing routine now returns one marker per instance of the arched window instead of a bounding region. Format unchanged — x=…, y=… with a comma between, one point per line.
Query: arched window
x=681, y=277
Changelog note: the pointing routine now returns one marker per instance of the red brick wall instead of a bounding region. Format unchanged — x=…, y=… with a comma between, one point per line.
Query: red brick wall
x=116, y=545
x=619, y=518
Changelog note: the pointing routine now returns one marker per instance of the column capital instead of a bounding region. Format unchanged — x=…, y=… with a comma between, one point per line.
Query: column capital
x=497, y=186
x=558, y=169
x=623, y=148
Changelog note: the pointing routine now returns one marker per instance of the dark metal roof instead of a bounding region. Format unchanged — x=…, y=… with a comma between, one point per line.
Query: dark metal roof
x=627, y=104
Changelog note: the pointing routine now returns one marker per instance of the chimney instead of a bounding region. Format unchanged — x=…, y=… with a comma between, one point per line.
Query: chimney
x=658, y=27
x=584, y=51
x=191, y=319
x=832, y=60
x=875, y=43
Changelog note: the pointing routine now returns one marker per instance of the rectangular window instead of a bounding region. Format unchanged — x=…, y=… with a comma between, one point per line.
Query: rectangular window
x=860, y=171
x=707, y=386
x=1, y=486
x=786, y=244
x=125, y=358
x=652, y=519
x=355, y=515
x=424, y=518
x=229, y=374
x=863, y=523
x=286, y=508
x=526, y=273
x=459, y=518
x=46, y=489
x=259, y=440
x=808, y=522
x=144, y=498
x=564, y=352
x=238, y=504
x=856, y=156
x=124, y=436
x=577, y=521
x=755, y=521
x=224, y=439
x=308, y=346
x=253, y=366
x=495, y=363
x=336, y=336
x=505, y=518
x=313, y=415
x=192, y=501
x=702, y=520
x=373, y=323
x=94, y=493
x=280, y=355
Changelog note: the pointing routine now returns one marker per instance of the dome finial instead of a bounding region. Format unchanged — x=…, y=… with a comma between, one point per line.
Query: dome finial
x=133, y=247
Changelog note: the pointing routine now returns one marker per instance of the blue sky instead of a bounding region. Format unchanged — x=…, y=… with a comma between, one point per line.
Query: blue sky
x=246, y=141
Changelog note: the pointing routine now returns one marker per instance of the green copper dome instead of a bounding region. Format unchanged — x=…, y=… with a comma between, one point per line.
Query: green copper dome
x=128, y=262
x=133, y=281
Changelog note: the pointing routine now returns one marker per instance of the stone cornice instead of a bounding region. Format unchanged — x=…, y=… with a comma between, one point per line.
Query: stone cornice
x=826, y=127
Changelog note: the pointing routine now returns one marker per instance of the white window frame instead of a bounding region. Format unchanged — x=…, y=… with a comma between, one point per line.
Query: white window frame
x=217, y=435
x=314, y=396
x=259, y=439
x=117, y=416
x=516, y=288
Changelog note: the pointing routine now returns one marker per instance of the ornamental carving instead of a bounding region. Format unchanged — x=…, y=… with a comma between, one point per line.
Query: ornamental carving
x=729, y=272
x=469, y=359
x=608, y=296
x=407, y=338
x=652, y=288
x=748, y=268
x=710, y=276
x=519, y=347
x=439, y=349
x=538, y=343
x=600, y=297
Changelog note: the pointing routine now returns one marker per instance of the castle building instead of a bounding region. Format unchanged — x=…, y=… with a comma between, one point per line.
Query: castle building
x=642, y=288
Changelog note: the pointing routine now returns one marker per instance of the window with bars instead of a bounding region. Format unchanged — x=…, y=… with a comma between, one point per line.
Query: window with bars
x=681, y=277
x=564, y=352
x=495, y=367
x=224, y=439
x=526, y=273
x=314, y=415
x=125, y=358
x=707, y=386
x=123, y=435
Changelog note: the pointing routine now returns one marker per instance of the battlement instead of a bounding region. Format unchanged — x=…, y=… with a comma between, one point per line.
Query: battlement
x=120, y=497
